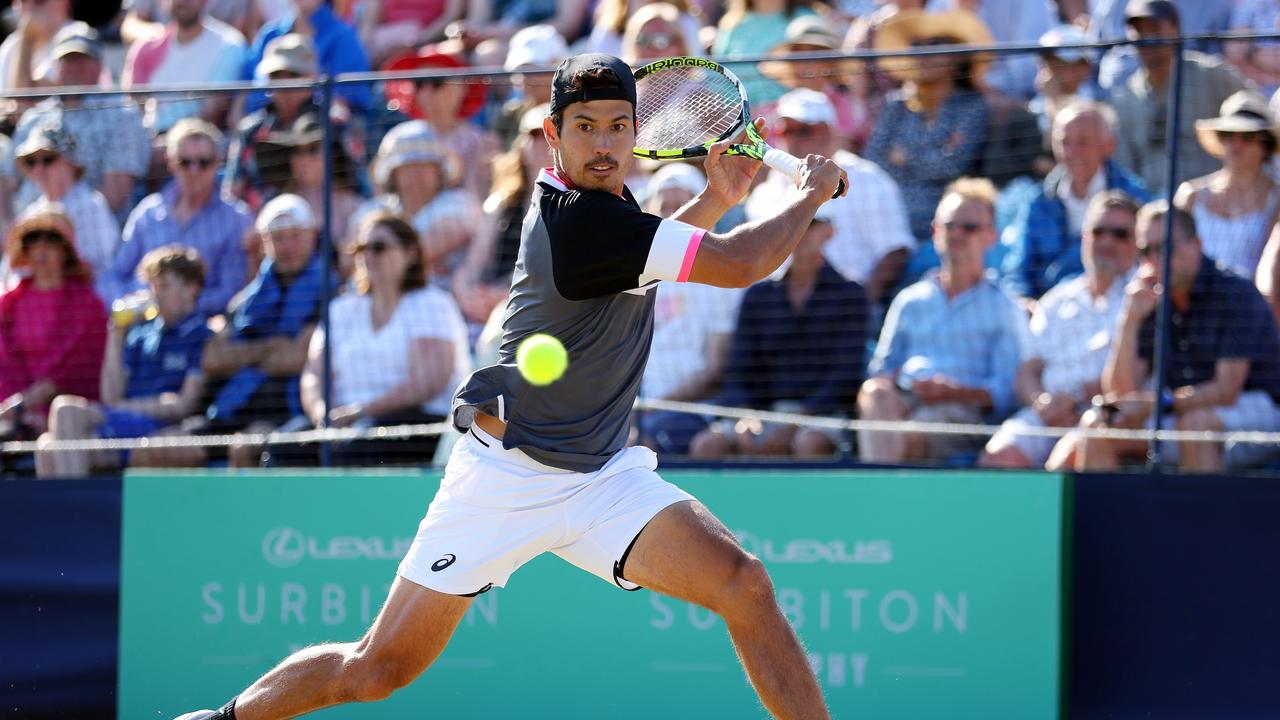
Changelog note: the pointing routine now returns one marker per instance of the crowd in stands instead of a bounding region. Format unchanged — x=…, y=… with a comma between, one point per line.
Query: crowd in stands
x=997, y=261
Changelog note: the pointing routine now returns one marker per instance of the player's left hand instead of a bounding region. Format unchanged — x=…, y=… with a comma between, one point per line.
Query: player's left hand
x=730, y=176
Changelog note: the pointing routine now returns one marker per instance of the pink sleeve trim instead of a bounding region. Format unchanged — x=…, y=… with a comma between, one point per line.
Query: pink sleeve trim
x=690, y=253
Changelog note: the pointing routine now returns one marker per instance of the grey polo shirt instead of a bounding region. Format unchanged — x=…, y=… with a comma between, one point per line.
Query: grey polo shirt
x=588, y=265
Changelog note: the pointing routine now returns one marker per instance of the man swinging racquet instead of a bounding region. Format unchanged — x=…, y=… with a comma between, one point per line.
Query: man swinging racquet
x=546, y=468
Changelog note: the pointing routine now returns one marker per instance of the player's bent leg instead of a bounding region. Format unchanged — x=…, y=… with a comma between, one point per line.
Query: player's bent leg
x=410, y=631
x=685, y=552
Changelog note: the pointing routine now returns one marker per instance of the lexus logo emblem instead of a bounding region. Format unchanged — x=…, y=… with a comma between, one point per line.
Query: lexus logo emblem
x=443, y=562
x=284, y=547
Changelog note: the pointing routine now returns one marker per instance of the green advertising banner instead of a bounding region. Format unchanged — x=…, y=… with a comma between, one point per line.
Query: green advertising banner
x=918, y=595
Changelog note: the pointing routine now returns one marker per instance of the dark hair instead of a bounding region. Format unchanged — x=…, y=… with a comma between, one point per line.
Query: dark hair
x=182, y=261
x=415, y=276
x=588, y=79
x=1112, y=200
x=1156, y=210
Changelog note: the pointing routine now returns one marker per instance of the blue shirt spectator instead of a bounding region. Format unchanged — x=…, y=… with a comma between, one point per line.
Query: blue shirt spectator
x=975, y=339
x=1042, y=249
x=215, y=232
x=337, y=48
x=158, y=357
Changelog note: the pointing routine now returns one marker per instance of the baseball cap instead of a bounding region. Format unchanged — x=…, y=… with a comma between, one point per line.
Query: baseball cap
x=807, y=106
x=535, y=45
x=76, y=37
x=811, y=30
x=564, y=94
x=1150, y=10
x=284, y=212
x=288, y=53
x=49, y=137
x=1056, y=37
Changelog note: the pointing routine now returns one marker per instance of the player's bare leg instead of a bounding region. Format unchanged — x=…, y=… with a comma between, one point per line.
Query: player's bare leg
x=410, y=631
x=685, y=552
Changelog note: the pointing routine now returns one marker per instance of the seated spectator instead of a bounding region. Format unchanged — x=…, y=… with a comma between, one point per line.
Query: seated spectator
x=1223, y=369
x=110, y=126
x=147, y=19
x=151, y=375
x=798, y=347
x=337, y=50
x=448, y=106
x=1236, y=207
x=658, y=30
x=190, y=212
x=289, y=57
x=483, y=280
x=191, y=49
x=933, y=129
x=50, y=158
x=292, y=161
x=415, y=172
x=862, y=36
x=53, y=327
x=1142, y=102
x=754, y=27
x=1070, y=337
x=398, y=350
x=25, y=54
x=1257, y=60
x=489, y=26
x=951, y=343
x=844, y=82
x=1043, y=238
x=871, y=239
x=539, y=46
x=1065, y=75
x=612, y=17
x=692, y=327
x=391, y=27
x=255, y=361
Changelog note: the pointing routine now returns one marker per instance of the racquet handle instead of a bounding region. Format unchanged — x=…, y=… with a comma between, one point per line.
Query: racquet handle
x=788, y=164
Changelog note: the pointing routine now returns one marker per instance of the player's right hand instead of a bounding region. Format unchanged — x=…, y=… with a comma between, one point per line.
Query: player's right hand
x=823, y=176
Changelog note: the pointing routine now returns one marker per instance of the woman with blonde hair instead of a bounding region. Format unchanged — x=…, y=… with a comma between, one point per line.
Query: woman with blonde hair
x=612, y=17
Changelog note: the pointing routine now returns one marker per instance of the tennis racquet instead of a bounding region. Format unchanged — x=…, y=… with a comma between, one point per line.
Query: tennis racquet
x=685, y=105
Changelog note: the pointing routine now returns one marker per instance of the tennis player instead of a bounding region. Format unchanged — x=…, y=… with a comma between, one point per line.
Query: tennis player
x=546, y=469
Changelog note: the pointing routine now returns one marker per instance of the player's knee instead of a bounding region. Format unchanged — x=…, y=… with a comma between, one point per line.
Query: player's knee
x=374, y=677
x=748, y=588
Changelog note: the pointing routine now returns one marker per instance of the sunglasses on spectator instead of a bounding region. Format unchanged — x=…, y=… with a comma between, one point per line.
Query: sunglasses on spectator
x=31, y=239
x=376, y=247
x=655, y=42
x=964, y=227
x=312, y=149
x=1250, y=136
x=1115, y=232
x=933, y=42
x=799, y=130
x=40, y=160
x=201, y=163
x=1150, y=250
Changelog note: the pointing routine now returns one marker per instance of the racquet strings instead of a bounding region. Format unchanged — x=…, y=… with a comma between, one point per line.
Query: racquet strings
x=685, y=107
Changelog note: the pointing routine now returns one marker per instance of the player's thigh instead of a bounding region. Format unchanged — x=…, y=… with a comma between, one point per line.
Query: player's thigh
x=687, y=553
x=411, y=630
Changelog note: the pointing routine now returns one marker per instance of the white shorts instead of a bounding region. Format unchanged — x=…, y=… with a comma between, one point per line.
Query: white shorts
x=498, y=509
x=1036, y=448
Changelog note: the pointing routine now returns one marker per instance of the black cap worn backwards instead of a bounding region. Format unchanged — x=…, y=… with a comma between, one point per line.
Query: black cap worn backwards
x=564, y=91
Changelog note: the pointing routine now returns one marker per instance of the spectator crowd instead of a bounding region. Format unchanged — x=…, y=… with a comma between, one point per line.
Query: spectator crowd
x=999, y=259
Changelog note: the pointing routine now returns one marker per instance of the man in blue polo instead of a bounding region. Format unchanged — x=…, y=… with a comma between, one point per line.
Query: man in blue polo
x=546, y=469
x=151, y=376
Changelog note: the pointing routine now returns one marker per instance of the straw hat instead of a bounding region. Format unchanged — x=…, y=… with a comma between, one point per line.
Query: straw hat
x=905, y=28
x=46, y=216
x=808, y=34
x=1243, y=112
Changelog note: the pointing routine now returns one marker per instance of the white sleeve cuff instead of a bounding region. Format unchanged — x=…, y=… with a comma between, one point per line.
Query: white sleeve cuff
x=671, y=255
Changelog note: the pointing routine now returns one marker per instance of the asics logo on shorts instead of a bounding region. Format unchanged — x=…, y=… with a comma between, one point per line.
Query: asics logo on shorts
x=443, y=562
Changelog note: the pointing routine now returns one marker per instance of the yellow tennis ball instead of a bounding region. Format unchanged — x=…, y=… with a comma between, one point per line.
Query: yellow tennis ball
x=541, y=359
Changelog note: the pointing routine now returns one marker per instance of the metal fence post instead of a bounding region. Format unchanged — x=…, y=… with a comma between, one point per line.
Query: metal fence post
x=326, y=245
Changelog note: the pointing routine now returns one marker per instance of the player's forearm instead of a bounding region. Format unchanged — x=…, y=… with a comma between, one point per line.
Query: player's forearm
x=762, y=246
x=703, y=211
